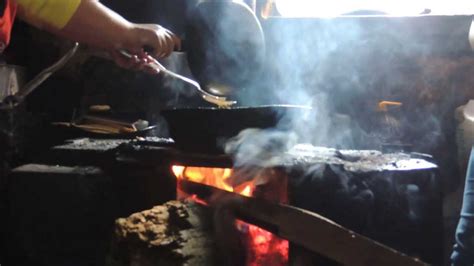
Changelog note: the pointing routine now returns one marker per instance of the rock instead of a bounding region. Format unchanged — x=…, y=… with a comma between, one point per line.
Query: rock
x=175, y=233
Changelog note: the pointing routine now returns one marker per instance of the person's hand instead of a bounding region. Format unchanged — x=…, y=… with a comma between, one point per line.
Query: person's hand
x=138, y=61
x=158, y=41
x=145, y=42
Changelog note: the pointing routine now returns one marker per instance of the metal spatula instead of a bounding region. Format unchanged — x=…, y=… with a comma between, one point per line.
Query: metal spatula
x=214, y=99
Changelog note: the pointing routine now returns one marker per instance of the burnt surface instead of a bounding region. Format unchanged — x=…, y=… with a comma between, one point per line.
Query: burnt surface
x=90, y=151
x=392, y=198
x=357, y=161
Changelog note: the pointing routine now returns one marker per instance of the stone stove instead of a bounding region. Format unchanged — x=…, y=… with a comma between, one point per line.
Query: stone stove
x=392, y=198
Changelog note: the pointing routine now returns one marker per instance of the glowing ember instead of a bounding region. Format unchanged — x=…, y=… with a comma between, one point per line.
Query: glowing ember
x=267, y=248
x=264, y=248
x=198, y=200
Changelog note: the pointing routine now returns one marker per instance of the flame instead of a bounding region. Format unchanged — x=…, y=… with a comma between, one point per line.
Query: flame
x=178, y=170
x=211, y=176
x=247, y=191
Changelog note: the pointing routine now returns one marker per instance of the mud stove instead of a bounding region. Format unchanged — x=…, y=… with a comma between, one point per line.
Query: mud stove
x=145, y=202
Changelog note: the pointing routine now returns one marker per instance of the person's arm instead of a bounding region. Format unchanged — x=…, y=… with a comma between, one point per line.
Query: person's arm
x=90, y=22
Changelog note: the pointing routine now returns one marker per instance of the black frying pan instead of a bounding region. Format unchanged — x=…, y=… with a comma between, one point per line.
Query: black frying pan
x=204, y=130
x=225, y=44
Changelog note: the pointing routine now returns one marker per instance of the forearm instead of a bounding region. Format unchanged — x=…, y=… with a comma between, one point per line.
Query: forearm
x=96, y=25
x=92, y=23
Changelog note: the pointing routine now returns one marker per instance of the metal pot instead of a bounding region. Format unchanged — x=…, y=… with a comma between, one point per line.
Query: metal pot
x=225, y=44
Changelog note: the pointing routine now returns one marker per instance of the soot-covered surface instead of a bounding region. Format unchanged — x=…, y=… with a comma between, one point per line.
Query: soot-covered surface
x=391, y=198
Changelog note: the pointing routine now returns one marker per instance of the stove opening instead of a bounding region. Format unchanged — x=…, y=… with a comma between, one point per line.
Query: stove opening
x=261, y=247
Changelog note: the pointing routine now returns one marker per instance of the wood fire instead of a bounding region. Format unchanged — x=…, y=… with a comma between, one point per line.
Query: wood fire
x=212, y=176
x=262, y=247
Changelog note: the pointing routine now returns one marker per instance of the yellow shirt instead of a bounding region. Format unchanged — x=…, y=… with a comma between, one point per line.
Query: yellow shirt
x=57, y=13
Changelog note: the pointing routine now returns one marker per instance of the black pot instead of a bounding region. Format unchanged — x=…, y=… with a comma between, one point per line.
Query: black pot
x=225, y=44
x=205, y=130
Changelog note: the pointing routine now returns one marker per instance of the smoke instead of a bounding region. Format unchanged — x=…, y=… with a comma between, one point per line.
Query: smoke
x=178, y=89
x=319, y=65
x=304, y=65
x=343, y=67
x=257, y=147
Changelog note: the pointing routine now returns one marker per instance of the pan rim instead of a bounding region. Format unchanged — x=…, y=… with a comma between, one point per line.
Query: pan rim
x=267, y=106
